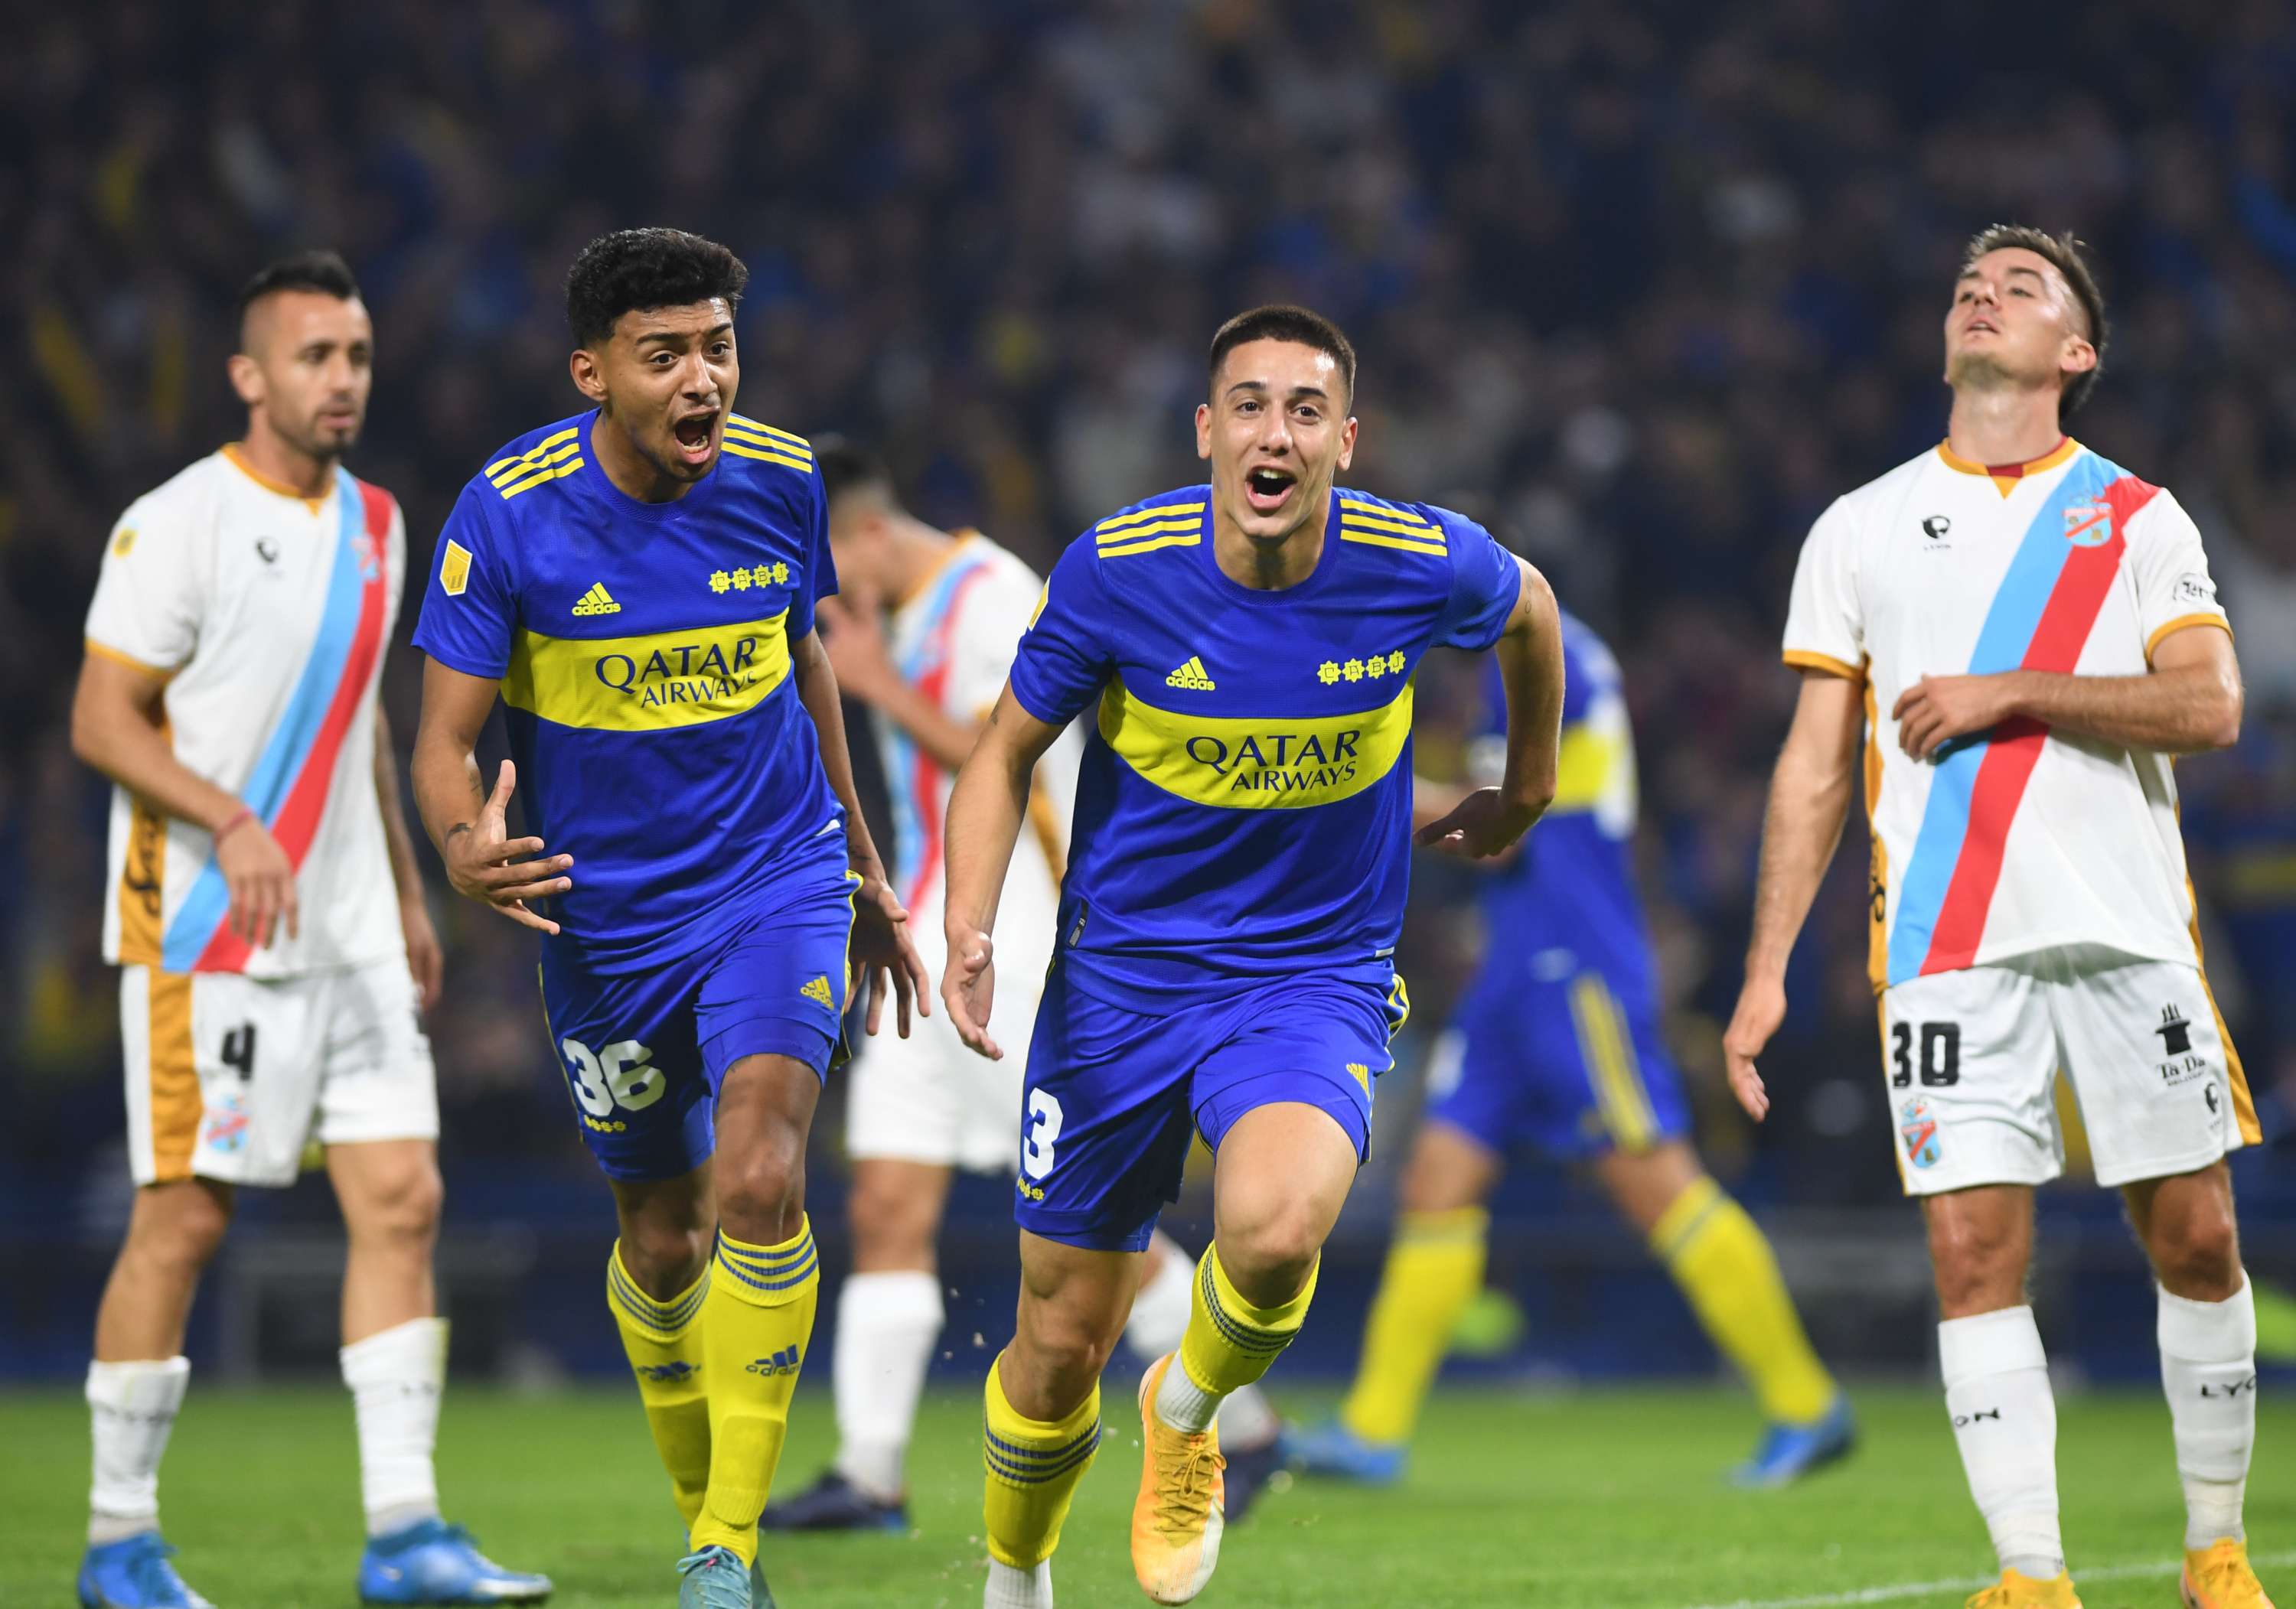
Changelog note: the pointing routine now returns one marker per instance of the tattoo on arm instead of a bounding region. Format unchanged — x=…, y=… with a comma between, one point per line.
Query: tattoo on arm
x=458, y=827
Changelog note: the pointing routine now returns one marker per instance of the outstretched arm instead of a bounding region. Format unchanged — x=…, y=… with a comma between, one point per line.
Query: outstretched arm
x=465, y=824
x=986, y=809
x=1809, y=798
x=1488, y=821
x=2190, y=701
x=880, y=927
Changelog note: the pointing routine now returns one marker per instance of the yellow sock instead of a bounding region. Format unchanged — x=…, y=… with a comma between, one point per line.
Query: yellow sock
x=1725, y=1266
x=1229, y=1343
x=663, y=1340
x=1433, y=1270
x=755, y=1323
x=1033, y=1470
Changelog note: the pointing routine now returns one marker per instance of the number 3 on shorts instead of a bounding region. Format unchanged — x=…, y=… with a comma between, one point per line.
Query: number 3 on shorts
x=1043, y=1128
x=622, y=1075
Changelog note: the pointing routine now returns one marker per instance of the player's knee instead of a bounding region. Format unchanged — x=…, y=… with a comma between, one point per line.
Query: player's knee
x=180, y=1227
x=2199, y=1258
x=761, y=1197
x=1268, y=1261
x=404, y=1208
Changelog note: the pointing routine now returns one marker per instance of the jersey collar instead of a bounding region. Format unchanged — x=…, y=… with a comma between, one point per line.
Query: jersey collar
x=237, y=459
x=2006, y=476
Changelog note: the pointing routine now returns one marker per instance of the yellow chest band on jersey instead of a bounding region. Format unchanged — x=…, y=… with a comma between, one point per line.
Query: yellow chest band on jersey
x=647, y=682
x=1244, y=764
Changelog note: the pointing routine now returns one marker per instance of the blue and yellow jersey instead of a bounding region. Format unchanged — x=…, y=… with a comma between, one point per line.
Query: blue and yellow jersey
x=644, y=652
x=1244, y=810
x=1572, y=886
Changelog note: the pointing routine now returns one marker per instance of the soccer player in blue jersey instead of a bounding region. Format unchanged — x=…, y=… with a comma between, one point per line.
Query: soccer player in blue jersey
x=637, y=583
x=1224, y=964
x=1556, y=1046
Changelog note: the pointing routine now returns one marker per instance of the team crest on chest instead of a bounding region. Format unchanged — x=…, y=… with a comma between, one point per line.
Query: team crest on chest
x=2089, y=523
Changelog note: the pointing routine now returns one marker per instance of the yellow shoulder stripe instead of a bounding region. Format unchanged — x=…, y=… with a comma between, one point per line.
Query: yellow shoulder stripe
x=511, y=486
x=521, y=468
x=755, y=428
x=1129, y=532
x=1349, y=534
x=1382, y=510
x=1161, y=511
x=1361, y=522
x=802, y=465
x=1189, y=540
x=540, y=450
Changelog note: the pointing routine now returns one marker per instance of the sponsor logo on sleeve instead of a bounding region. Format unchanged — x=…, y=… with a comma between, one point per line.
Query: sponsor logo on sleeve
x=2192, y=587
x=454, y=569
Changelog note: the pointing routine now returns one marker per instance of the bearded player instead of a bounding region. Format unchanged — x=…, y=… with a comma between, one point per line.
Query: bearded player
x=1225, y=953
x=925, y=632
x=637, y=583
x=268, y=920
x=2025, y=634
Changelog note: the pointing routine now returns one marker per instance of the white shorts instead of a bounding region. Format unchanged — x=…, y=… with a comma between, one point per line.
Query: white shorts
x=928, y=1098
x=229, y=1078
x=1972, y=1058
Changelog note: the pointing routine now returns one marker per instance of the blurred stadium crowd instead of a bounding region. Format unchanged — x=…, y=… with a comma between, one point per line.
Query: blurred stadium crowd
x=1645, y=285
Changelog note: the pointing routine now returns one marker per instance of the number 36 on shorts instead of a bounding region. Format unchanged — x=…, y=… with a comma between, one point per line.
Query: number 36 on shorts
x=622, y=1075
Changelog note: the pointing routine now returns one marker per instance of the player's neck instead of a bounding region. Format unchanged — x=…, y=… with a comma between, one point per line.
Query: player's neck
x=631, y=472
x=2004, y=425
x=283, y=464
x=1269, y=565
x=919, y=552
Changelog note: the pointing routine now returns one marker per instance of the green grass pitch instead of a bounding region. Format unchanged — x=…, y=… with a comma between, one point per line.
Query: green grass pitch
x=1609, y=1498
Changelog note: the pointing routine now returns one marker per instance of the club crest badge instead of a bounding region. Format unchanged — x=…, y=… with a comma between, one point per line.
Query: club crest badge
x=1919, y=1126
x=2089, y=525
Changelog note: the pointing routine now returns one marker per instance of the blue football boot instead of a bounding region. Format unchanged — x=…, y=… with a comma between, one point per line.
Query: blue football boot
x=833, y=1503
x=1249, y=1471
x=1331, y=1449
x=715, y=1579
x=1790, y=1452
x=133, y=1573
x=431, y=1562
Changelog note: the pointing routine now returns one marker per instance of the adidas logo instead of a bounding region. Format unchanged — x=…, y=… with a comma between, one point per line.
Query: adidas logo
x=783, y=1362
x=1192, y=676
x=1362, y=1075
x=818, y=989
x=676, y=1371
x=597, y=601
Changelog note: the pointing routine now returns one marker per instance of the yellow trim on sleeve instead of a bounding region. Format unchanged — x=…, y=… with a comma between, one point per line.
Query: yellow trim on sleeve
x=2178, y=625
x=1348, y=533
x=1802, y=658
x=102, y=651
x=733, y=444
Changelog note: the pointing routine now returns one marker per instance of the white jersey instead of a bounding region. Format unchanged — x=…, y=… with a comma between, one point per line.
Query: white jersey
x=269, y=613
x=954, y=640
x=2022, y=838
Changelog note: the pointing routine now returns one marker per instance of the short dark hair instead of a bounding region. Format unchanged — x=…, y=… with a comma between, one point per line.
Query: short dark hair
x=321, y=271
x=637, y=270
x=1278, y=322
x=2065, y=255
x=846, y=466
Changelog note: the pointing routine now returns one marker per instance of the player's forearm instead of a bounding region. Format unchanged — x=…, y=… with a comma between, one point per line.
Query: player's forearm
x=1531, y=665
x=1809, y=801
x=947, y=741
x=444, y=770
x=403, y=871
x=986, y=809
x=121, y=742
x=2181, y=710
x=816, y=689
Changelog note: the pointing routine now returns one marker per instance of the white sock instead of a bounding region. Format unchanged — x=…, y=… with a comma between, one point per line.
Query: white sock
x=1182, y=1403
x=2207, y=1368
x=396, y=1378
x=1997, y=1389
x=885, y=1328
x=1159, y=1312
x=131, y=1409
x=1011, y=1588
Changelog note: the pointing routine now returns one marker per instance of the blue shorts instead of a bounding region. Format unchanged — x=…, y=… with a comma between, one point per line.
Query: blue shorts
x=1114, y=1096
x=646, y=1052
x=1573, y=1065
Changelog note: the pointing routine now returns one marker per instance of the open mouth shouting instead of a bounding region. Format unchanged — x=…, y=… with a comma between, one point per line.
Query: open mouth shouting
x=696, y=435
x=1267, y=488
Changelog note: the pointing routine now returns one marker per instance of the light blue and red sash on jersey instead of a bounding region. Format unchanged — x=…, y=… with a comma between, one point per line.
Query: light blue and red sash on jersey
x=2040, y=620
x=289, y=786
x=914, y=785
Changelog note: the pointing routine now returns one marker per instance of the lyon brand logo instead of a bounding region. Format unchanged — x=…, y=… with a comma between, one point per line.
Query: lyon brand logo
x=1935, y=527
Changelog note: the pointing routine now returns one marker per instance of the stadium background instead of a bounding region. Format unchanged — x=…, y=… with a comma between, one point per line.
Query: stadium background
x=1645, y=286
